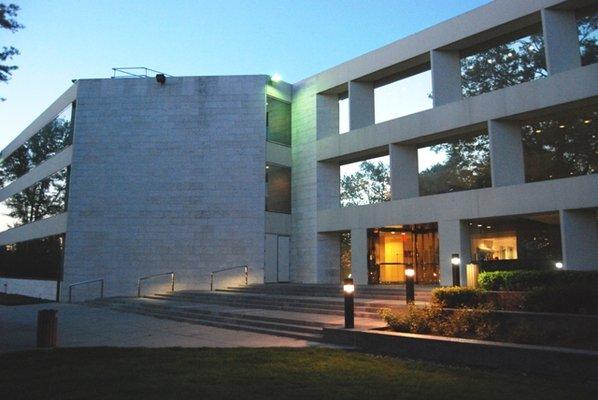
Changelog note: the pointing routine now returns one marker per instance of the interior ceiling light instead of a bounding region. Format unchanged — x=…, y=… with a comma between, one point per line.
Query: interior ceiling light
x=538, y=130
x=587, y=121
x=561, y=126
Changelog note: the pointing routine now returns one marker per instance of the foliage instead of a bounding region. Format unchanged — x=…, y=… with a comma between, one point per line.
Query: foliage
x=526, y=280
x=345, y=250
x=457, y=297
x=475, y=323
x=8, y=21
x=370, y=184
x=561, y=147
x=48, y=196
x=467, y=167
x=505, y=65
x=576, y=298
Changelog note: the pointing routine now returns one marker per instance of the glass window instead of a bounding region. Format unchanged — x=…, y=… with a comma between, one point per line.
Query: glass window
x=523, y=242
x=50, y=140
x=587, y=28
x=507, y=64
x=365, y=182
x=562, y=146
x=455, y=165
x=403, y=97
x=278, y=121
x=33, y=259
x=278, y=189
x=41, y=200
x=343, y=113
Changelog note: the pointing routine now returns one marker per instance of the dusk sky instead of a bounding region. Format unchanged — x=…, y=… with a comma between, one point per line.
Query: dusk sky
x=64, y=40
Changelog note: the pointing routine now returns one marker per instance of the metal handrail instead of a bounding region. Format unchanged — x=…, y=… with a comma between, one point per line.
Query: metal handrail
x=143, y=278
x=245, y=268
x=85, y=283
x=125, y=70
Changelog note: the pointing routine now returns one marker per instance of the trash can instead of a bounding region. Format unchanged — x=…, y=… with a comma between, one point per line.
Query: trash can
x=47, y=328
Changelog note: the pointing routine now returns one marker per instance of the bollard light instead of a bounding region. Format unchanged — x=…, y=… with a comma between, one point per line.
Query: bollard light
x=349, y=292
x=558, y=265
x=456, y=263
x=410, y=285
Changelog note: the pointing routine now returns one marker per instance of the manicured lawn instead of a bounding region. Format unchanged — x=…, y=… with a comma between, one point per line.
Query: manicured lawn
x=19, y=300
x=312, y=373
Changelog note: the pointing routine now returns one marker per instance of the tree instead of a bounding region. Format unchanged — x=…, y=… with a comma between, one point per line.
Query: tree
x=7, y=21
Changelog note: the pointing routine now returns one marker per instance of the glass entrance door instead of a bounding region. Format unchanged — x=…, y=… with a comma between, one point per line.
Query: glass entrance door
x=393, y=249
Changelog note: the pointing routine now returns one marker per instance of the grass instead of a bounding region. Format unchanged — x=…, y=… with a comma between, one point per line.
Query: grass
x=279, y=373
x=7, y=299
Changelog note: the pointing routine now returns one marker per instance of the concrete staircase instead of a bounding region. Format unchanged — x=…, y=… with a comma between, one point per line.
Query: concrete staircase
x=291, y=310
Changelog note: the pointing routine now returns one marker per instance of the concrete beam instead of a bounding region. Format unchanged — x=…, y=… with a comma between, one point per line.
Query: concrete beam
x=560, y=40
x=361, y=104
x=506, y=153
x=446, y=76
x=579, y=239
x=404, y=179
x=537, y=197
x=512, y=102
x=359, y=256
x=35, y=230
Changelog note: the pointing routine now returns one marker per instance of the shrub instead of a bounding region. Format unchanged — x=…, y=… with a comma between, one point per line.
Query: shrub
x=414, y=320
x=573, y=298
x=466, y=323
x=458, y=297
x=527, y=280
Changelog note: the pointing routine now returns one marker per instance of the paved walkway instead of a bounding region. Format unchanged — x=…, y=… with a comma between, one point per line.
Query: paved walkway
x=85, y=326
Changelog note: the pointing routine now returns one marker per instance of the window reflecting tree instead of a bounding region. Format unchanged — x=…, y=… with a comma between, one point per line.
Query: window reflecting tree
x=50, y=140
x=467, y=166
x=369, y=184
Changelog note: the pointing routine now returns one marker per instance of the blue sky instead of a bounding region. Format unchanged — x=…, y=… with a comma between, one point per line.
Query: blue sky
x=65, y=39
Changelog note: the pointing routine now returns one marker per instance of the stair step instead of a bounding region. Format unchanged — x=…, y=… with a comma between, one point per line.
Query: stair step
x=286, y=330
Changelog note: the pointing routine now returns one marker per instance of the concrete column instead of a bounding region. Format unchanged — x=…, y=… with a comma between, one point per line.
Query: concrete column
x=361, y=104
x=453, y=237
x=404, y=177
x=359, y=256
x=329, y=258
x=446, y=76
x=560, y=40
x=506, y=153
x=326, y=115
x=328, y=185
x=579, y=239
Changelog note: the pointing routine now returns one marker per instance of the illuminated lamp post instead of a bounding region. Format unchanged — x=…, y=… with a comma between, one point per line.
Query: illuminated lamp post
x=410, y=285
x=349, y=292
x=558, y=265
x=456, y=263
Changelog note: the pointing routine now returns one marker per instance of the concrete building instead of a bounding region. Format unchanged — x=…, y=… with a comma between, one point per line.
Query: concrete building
x=195, y=173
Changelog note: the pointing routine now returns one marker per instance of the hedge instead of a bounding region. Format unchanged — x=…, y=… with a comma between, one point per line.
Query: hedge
x=458, y=297
x=527, y=280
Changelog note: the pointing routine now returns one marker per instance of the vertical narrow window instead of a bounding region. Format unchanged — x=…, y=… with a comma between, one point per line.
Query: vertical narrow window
x=343, y=113
x=278, y=121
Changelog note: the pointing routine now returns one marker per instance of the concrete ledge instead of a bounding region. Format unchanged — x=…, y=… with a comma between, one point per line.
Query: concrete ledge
x=543, y=360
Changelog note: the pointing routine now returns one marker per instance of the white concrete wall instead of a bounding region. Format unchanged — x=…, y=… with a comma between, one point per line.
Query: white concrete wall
x=167, y=178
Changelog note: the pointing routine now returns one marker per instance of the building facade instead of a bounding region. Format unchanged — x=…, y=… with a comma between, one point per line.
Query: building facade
x=124, y=178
